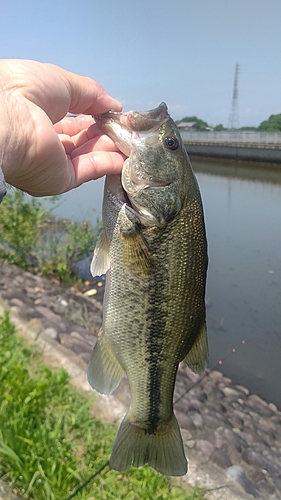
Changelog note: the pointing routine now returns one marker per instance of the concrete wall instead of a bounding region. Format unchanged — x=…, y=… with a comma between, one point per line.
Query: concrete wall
x=235, y=153
x=234, y=138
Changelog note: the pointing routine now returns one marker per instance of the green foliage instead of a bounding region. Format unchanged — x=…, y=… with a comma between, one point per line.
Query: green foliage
x=219, y=128
x=249, y=129
x=200, y=124
x=60, y=249
x=190, y=119
x=33, y=239
x=21, y=225
x=273, y=124
x=49, y=442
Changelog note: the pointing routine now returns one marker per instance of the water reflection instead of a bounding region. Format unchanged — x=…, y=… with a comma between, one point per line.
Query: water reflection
x=243, y=211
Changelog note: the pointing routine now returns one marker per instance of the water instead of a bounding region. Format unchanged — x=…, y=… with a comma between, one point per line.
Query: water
x=243, y=215
x=80, y=204
x=243, y=219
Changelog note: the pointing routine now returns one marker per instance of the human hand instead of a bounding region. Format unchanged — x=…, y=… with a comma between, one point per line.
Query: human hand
x=46, y=159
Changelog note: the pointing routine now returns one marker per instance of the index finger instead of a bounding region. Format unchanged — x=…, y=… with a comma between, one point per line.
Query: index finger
x=72, y=125
x=87, y=95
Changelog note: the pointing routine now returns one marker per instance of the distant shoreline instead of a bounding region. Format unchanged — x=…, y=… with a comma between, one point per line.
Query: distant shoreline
x=235, y=153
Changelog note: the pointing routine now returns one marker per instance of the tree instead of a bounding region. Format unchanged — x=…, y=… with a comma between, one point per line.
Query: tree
x=219, y=128
x=248, y=129
x=200, y=124
x=273, y=124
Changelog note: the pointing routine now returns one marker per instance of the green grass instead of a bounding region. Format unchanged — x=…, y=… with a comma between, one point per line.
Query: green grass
x=50, y=443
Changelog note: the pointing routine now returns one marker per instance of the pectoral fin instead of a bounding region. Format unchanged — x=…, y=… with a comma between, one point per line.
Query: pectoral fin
x=135, y=253
x=104, y=370
x=101, y=263
x=197, y=357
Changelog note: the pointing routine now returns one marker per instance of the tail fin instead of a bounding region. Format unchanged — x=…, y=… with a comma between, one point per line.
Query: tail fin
x=162, y=450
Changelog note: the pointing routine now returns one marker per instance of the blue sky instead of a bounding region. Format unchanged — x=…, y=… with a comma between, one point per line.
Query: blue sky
x=182, y=52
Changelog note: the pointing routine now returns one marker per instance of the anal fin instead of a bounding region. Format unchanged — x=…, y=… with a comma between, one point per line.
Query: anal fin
x=104, y=370
x=197, y=358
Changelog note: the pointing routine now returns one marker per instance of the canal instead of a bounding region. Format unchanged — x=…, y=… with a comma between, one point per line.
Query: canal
x=243, y=218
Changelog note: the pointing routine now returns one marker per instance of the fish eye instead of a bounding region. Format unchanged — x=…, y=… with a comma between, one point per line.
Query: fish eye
x=172, y=143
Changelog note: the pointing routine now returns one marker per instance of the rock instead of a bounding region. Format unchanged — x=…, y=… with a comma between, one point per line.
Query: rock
x=186, y=435
x=215, y=374
x=235, y=421
x=48, y=314
x=213, y=420
x=86, y=356
x=205, y=447
x=193, y=405
x=7, y=493
x=191, y=421
x=241, y=388
x=273, y=407
x=254, y=458
x=218, y=394
x=62, y=302
x=250, y=437
x=16, y=302
x=201, y=396
x=190, y=443
x=224, y=437
x=255, y=400
x=224, y=381
x=260, y=405
x=232, y=393
x=75, y=344
x=219, y=457
x=262, y=481
x=236, y=473
x=51, y=332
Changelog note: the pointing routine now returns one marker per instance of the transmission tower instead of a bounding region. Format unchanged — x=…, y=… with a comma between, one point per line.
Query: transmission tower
x=233, y=122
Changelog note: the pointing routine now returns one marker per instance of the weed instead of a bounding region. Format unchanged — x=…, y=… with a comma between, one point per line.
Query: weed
x=34, y=240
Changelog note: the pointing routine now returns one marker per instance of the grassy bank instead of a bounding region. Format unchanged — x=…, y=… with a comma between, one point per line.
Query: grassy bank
x=33, y=239
x=49, y=441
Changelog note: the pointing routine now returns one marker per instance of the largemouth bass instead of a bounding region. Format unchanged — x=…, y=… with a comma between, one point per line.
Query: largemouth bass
x=153, y=250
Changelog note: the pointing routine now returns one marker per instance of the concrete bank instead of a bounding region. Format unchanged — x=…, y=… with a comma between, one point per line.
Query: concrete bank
x=234, y=152
x=232, y=438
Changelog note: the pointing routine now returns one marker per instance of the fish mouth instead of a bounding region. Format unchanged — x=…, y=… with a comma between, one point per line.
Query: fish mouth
x=146, y=121
x=120, y=127
x=135, y=120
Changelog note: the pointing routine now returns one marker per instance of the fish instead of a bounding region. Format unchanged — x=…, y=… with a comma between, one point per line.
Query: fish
x=153, y=249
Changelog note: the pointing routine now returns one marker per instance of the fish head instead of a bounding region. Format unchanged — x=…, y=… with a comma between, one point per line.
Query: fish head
x=155, y=175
